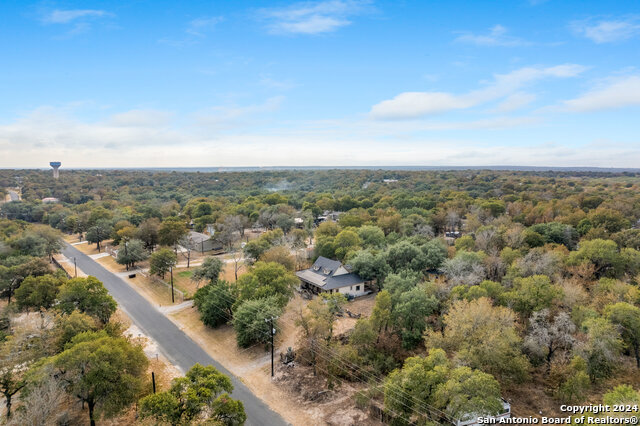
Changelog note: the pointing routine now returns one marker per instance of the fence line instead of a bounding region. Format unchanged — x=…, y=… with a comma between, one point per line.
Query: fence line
x=59, y=266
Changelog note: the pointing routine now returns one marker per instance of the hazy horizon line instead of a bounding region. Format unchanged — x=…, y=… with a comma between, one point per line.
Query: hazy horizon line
x=345, y=167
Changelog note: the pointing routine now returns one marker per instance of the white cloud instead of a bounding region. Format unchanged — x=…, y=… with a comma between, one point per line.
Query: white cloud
x=226, y=116
x=141, y=118
x=196, y=30
x=273, y=83
x=200, y=26
x=515, y=102
x=68, y=16
x=497, y=36
x=410, y=105
x=618, y=93
x=312, y=17
x=79, y=20
x=53, y=129
x=607, y=31
x=143, y=138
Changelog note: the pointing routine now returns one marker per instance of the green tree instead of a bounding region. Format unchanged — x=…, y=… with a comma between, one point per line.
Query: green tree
x=611, y=220
x=381, y=315
x=405, y=255
x=51, y=237
x=254, y=248
x=371, y=236
x=532, y=294
x=602, y=254
x=370, y=266
x=576, y=384
x=621, y=395
x=281, y=255
x=171, y=231
x=99, y=232
x=629, y=238
x=435, y=252
x=87, y=295
x=162, y=261
x=602, y=349
x=483, y=337
x=30, y=244
x=68, y=326
x=265, y=280
x=107, y=373
x=404, y=281
x=215, y=303
x=415, y=383
x=432, y=381
x=628, y=318
x=410, y=314
x=209, y=270
x=345, y=243
x=148, y=232
x=130, y=252
x=38, y=292
x=250, y=320
x=465, y=243
x=558, y=233
x=202, y=390
x=316, y=323
x=469, y=391
x=12, y=276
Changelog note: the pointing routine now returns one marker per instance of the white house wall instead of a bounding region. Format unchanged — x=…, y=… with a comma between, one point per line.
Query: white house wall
x=352, y=290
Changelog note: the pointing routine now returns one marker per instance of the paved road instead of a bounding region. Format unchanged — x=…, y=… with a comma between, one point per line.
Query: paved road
x=175, y=344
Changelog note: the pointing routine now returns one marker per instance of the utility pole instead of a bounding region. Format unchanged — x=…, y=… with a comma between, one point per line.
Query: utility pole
x=126, y=254
x=153, y=380
x=75, y=268
x=172, y=299
x=272, y=332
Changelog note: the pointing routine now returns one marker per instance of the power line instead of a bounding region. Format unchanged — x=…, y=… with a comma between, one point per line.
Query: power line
x=371, y=376
x=327, y=359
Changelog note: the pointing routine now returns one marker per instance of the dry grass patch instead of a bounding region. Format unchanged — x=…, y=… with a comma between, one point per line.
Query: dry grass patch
x=311, y=396
x=68, y=266
x=91, y=248
x=153, y=290
x=362, y=305
x=109, y=262
x=251, y=365
x=228, y=272
x=71, y=238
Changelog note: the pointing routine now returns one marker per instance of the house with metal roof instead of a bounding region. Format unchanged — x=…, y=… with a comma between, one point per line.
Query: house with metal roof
x=331, y=276
x=203, y=243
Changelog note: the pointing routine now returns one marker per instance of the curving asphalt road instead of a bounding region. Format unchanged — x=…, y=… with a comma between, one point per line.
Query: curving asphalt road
x=174, y=343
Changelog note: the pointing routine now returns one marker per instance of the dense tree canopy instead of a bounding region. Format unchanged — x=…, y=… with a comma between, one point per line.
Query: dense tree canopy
x=544, y=265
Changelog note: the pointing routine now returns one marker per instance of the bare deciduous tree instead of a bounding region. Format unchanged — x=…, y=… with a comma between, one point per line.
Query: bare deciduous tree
x=547, y=337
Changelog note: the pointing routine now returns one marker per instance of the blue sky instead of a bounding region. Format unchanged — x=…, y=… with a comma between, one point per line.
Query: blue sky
x=337, y=82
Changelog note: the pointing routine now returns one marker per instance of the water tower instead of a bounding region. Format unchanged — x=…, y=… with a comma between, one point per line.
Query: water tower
x=56, y=165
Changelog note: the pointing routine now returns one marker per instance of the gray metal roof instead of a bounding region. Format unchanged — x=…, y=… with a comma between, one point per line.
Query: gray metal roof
x=321, y=274
x=198, y=237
